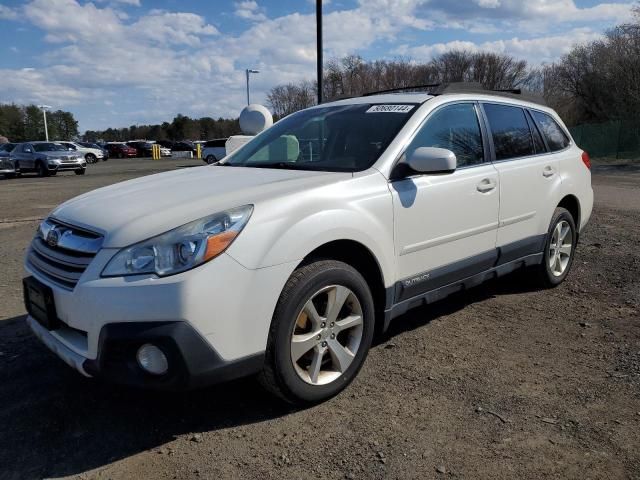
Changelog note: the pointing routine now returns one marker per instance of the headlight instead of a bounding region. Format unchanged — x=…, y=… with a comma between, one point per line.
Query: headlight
x=182, y=248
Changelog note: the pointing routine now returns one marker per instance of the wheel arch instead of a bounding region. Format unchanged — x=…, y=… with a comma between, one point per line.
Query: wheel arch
x=360, y=257
x=572, y=204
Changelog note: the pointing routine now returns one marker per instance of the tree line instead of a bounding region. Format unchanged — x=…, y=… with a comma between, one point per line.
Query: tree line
x=594, y=82
x=20, y=123
x=180, y=128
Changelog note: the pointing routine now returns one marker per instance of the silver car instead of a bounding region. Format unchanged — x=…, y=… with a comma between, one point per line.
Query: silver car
x=47, y=158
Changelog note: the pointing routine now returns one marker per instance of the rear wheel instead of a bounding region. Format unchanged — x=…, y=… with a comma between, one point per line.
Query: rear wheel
x=559, y=249
x=211, y=159
x=320, y=333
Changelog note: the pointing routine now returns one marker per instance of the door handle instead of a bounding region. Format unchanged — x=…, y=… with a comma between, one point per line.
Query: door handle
x=548, y=171
x=486, y=185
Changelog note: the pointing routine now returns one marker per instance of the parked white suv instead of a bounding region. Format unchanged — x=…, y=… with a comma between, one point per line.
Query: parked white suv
x=91, y=155
x=286, y=258
x=214, y=150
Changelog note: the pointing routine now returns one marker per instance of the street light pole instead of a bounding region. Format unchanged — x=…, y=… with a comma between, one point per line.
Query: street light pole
x=44, y=114
x=319, y=48
x=249, y=71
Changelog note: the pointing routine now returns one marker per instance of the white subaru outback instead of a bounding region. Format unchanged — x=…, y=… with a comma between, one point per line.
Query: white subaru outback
x=285, y=258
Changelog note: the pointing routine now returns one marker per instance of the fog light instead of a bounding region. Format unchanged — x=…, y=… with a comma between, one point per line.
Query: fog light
x=152, y=360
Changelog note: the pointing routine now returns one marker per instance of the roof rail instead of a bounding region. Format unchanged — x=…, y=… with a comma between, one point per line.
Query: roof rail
x=467, y=87
x=402, y=89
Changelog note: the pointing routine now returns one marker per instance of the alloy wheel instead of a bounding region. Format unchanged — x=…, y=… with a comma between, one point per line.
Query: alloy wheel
x=327, y=335
x=560, y=248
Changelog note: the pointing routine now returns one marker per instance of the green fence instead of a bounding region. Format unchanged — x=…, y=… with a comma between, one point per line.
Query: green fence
x=615, y=139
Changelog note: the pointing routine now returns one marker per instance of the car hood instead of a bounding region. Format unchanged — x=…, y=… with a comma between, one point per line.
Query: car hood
x=135, y=210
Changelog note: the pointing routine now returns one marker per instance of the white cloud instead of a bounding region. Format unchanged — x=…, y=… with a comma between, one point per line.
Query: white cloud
x=135, y=3
x=535, y=50
x=7, y=13
x=249, y=10
x=488, y=3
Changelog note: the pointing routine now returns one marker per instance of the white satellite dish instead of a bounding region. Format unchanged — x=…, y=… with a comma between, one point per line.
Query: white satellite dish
x=254, y=119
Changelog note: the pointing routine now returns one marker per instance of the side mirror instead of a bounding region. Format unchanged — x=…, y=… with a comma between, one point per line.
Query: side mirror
x=431, y=160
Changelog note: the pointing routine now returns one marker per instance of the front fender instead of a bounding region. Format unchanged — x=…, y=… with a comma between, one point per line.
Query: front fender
x=289, y=229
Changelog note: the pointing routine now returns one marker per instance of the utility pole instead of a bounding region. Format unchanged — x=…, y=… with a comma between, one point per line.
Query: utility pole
x=249, y=71
x=44, y=114
x=319, y=48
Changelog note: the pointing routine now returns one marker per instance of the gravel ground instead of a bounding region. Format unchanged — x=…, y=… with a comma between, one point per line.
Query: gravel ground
x=504, y=381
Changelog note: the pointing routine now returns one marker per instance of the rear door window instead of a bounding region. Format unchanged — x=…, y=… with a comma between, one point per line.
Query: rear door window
x=555, y=136
x=510, y=131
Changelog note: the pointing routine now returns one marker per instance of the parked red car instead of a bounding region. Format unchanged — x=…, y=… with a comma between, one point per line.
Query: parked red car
x=121, y=150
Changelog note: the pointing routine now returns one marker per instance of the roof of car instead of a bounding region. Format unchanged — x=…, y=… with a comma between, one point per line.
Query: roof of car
x=468, y=89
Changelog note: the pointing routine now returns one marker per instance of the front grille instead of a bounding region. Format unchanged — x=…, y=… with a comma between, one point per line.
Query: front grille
x=62, y=253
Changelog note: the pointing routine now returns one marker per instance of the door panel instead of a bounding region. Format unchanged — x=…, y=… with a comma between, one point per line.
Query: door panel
x=442, y=219
x=526, y=188
x=528, y=176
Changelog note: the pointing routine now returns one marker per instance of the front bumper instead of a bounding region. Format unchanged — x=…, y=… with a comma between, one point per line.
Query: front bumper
x=61, y=167
x=192, y=361
x=222, y=303
x=7, y=166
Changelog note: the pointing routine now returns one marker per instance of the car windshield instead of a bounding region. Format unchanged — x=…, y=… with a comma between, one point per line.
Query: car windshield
x=347, y=138
x=48, y=147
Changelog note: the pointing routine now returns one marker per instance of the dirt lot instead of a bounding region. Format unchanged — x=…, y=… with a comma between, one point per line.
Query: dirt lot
x=502, y=382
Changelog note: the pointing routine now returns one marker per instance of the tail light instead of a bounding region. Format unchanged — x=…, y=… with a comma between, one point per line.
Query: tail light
x=586, y=160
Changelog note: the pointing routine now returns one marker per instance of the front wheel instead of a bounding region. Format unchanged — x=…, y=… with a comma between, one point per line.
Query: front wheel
x=43, y=171
x=559, y=250
x=320, y=334
x=91, y=158
x=80, y=171
x=211, y=159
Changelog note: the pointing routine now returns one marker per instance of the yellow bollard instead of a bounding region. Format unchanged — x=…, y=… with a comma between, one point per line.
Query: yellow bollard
x=155, y=151
x=198, y=150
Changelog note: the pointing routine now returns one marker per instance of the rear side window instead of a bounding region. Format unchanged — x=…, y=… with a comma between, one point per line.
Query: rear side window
x=510, y=131
x=456, y=128
x=555, y=136
x=538, y=144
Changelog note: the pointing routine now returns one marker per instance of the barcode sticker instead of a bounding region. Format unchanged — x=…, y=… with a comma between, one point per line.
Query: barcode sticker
x=390, y=109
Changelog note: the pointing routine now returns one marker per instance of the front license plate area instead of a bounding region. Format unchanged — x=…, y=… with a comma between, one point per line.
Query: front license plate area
x=38, y=300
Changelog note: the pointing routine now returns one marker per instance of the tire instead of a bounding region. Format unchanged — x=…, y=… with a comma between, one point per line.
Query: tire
x=80, y=171
x=556, y=262
x=297, y=382
x=43, y=171
x=17, y=169
x=120, y=155
x=90, y=158
x=211, y=159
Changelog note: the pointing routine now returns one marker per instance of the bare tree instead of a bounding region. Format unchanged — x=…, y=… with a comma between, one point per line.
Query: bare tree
x=351, y=76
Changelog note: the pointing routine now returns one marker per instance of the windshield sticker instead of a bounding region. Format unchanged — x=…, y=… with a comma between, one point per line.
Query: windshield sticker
x=390, y=109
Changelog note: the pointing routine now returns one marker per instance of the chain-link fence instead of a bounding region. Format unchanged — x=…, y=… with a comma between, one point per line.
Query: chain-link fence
x=615, y=139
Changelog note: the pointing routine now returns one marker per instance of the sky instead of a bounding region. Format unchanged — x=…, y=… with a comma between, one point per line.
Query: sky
x=116, y=63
